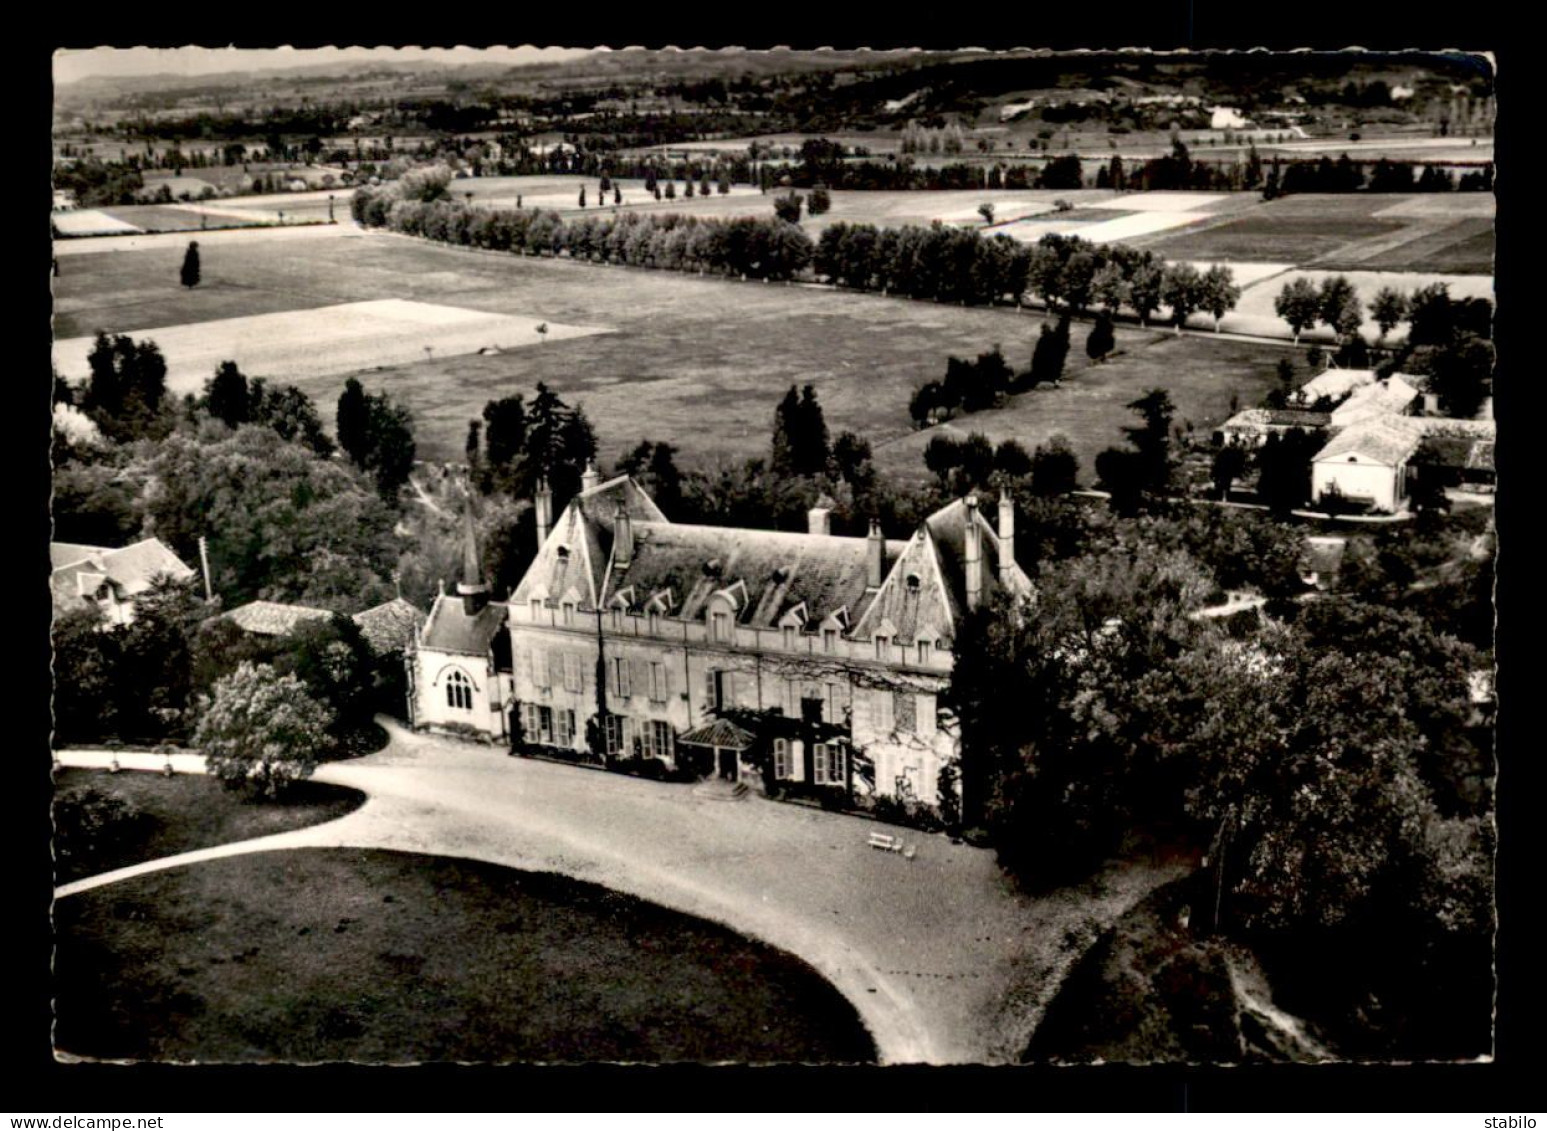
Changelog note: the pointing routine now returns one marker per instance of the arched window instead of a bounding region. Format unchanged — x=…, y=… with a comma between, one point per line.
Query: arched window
x=459, y=692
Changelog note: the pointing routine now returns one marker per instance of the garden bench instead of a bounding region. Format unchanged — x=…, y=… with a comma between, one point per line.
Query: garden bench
x=885, y=841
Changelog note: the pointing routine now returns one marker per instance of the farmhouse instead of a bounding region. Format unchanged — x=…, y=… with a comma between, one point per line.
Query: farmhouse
x=110, y=579
x=1370, y=460
x=750, y=655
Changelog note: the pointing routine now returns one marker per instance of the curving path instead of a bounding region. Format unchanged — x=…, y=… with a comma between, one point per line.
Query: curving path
x=944, y=962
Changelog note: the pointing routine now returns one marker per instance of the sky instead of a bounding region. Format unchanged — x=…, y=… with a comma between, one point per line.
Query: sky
x=70, y=65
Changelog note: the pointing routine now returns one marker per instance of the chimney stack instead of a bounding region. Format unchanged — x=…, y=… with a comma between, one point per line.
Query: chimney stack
x=875, y=555
x=591, y=478
x=544, y=507
x=974, y=555
x=819, y=520
x=1006, y=534
x=622, y=539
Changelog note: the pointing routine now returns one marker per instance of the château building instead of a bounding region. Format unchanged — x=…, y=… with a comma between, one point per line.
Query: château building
x=752, y=655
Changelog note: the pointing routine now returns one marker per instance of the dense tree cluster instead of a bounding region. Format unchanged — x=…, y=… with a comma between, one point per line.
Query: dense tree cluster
x=377, y=434
x=1329, y=766
x=745, y=246
x=522, y=443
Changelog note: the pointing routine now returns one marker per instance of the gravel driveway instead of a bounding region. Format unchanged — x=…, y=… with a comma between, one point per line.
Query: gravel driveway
x=943, y=960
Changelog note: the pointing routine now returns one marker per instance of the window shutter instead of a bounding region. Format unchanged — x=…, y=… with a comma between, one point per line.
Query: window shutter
x=924, y=709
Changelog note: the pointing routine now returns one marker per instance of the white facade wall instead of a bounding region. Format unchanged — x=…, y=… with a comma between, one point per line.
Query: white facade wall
x=452, y=689
x=674, y=670
x=1357, y=476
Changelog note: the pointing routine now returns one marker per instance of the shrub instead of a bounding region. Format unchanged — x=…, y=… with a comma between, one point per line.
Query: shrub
x=262, y=731
x=91, y=825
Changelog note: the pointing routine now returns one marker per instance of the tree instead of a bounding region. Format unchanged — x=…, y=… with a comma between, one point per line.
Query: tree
x=817, y=202
x=352, y=422
x=1229, y=464
x=1012, y=460
x=942, y=455
x=1146, y=278
x=1054, y=467
x=226, y=395
x=290, y=413
x=505, y=432
x=986, y=210
x=1298, y=304
x=1461, y=375
x=582, y=196
x=1047, y=359
x=1340, y=307
x=262, y=731
x=1182, y=290
x=1101, y=340
x=1219, y=292
x=1109, y=286
x=190, y=271
x=126, y=388
x=787, y=208
x=1152, y=439
x=390, y=441
x=1388, y=308
x=1284, y=469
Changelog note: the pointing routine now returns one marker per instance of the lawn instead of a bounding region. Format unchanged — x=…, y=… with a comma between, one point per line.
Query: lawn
x=382, y=957
x=170, y=218
x=1090, y=406
x=189, y=811
x=700, y=362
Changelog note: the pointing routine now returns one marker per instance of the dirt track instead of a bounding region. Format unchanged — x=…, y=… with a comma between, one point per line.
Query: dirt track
x=942, y=960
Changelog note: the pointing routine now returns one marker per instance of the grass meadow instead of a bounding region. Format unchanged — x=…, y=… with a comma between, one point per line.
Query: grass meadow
x=699, y=362
x=380, y=957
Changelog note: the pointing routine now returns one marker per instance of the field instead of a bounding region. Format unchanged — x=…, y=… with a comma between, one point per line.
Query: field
x=699, y=362
x=380, y=957
x=90, y=222
x=1450, y=233
x=325, y=341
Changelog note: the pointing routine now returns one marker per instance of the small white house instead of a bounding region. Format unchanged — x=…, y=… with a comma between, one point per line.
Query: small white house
x=1367, y=463
x=1227, y=118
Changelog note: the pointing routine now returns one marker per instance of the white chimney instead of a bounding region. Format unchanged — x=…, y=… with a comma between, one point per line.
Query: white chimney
x=622, y=539
x=544, y=507
x=1006, y=535
x=590, y=479
x=875, y=555
x=974, y=555
x=819, y=520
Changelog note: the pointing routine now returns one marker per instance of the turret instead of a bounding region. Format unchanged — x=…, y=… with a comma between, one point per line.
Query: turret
x=472, y=590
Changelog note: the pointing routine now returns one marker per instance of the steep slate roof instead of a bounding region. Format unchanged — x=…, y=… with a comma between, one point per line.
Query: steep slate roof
x=766, y=573
x=779, y=570
x=270, y=618
x=1387, y=439
x=1256, y=418
x=391, y=626
x=449, y=628
x=584, y=535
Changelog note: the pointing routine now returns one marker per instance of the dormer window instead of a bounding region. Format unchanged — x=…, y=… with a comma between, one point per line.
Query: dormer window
x=789, y=637
x=617, y=619
x=569, y=612
x=924, y=651
x=883, y=644
x=720, y=624
x=653, y=621
x=912, y=583
x=563, y=553
x=829, y=640
x=537, y=608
